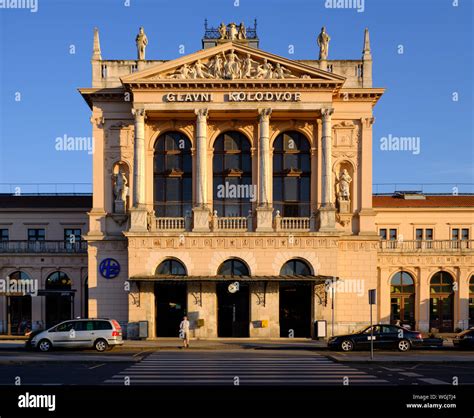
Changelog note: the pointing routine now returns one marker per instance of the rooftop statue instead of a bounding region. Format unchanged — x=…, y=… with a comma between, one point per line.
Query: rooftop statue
x=323, y=42
x=142, y=42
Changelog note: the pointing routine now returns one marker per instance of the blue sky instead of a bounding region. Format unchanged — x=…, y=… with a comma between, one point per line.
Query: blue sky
x=437, y=40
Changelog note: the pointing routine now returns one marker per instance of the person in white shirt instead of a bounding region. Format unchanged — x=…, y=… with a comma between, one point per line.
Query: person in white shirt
x=184, y=331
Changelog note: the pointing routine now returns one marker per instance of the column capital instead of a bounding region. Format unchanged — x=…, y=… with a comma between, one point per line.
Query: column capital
x=367, y=122
x=326, y=112
x=138, y=112
x=202, y=113
x=264, y=114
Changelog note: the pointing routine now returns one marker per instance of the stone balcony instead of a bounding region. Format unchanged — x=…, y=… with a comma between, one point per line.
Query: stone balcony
x=426, y=246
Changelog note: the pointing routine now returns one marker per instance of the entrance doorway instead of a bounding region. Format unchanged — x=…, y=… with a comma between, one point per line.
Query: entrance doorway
x=170, y=307
x=295, y=310
x=59, y=298
x=233, y=313
x=442, y=302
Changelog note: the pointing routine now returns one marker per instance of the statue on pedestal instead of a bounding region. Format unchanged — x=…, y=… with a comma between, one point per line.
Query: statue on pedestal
x=344, y=182
x=120, y=191
x=242, y=34
x=223, y=31
x=141, y=41
x=232, y=31
x=323, y=43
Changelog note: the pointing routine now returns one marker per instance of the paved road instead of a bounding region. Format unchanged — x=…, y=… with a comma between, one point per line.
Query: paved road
x=206, y=367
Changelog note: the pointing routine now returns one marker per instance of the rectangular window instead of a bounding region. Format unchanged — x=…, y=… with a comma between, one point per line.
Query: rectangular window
x=429, y=234
x=455, y=234
x=419, y=234
x=72, y=235
x=36, y=234
x=3, y=234
x=383, y=233
x=465, y=234
x=393, y=234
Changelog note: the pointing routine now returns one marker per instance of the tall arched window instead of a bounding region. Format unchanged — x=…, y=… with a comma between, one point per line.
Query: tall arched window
x=20, y=307
x=402, y=299
x=442, y=301
x=172, y=175
x=171, y=267
x=295, y=266
x=59, y=304
x=232, y=166
x=292, y=174
x=471, y=302
x=233, y=267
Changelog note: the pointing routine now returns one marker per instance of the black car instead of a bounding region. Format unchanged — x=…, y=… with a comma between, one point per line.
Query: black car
x=384, y=337
x=464, y=339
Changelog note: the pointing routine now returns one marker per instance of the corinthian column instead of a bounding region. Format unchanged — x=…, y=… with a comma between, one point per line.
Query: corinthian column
x=201, y=210
x=327, y=199
x=264, y=209
x=264, y=160
x=139, y=159
x=327, y=212
x=138, y=214
x=201, y=157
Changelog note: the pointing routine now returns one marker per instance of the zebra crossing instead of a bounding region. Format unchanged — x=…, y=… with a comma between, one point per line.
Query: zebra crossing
x=218, y=368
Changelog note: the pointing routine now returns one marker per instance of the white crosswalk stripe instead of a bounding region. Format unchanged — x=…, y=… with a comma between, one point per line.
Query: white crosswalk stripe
x=171, y=368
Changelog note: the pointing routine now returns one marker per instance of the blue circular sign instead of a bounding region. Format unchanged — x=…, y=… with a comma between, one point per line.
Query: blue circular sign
x=109, y=268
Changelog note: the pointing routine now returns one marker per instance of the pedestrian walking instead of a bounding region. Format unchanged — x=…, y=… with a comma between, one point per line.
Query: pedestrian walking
x=184, y=331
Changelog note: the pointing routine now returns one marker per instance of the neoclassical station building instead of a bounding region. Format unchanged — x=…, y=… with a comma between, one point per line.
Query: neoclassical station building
x=235, y=186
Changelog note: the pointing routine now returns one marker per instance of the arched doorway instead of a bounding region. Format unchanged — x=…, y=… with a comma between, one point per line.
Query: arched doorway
x=233, y=300
x=402, y=299
x=292, y=175
x=295, y=301
x=170, y=299
x=172, y=175
x=19, y=307
x=59, y=298
x=471, y=302
x=442, y=302
x=232, y=180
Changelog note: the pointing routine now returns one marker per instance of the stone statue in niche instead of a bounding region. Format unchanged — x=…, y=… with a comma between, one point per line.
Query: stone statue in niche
x=344, y=194
x=141, y=41
x=323, y=43
x=120, y=191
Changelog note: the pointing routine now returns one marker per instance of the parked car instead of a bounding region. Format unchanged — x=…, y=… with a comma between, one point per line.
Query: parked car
x=384, y=337
x=102, y=334
x=465, y=339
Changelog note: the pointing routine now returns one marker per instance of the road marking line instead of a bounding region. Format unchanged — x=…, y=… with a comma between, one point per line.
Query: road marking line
x=433, y=381
x=96, y=366
x=410, y=374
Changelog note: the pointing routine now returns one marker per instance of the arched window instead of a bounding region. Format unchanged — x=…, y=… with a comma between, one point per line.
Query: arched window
x=402, y=299
x=232, y=166
x=59, y=305
x=171, y=267
x=471, y=302
x=233, y=267
x=442, y=301
x=20, y=307
x=295, y=266
x=292, y=174
x=172, y=175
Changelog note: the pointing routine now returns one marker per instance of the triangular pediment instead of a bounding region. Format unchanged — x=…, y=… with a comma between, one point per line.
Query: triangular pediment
x=232, y=61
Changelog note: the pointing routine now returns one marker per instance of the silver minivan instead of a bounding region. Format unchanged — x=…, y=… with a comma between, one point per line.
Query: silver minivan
x=102, y=334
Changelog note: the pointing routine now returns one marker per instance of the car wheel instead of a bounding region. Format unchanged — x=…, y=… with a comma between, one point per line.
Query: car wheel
x=404, y=345
x=101, y=345
x=44, y=346
x=347, y=345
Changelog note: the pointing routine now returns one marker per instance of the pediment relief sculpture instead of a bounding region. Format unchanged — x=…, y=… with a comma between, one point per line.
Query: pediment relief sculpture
x=231, y=66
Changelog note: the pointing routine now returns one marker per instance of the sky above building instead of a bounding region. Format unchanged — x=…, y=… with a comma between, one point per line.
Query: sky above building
x=422, y=51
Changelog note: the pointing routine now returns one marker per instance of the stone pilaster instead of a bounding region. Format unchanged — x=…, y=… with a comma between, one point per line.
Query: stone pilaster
x=201, y=210
x=264, y=209
x=327, y=211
